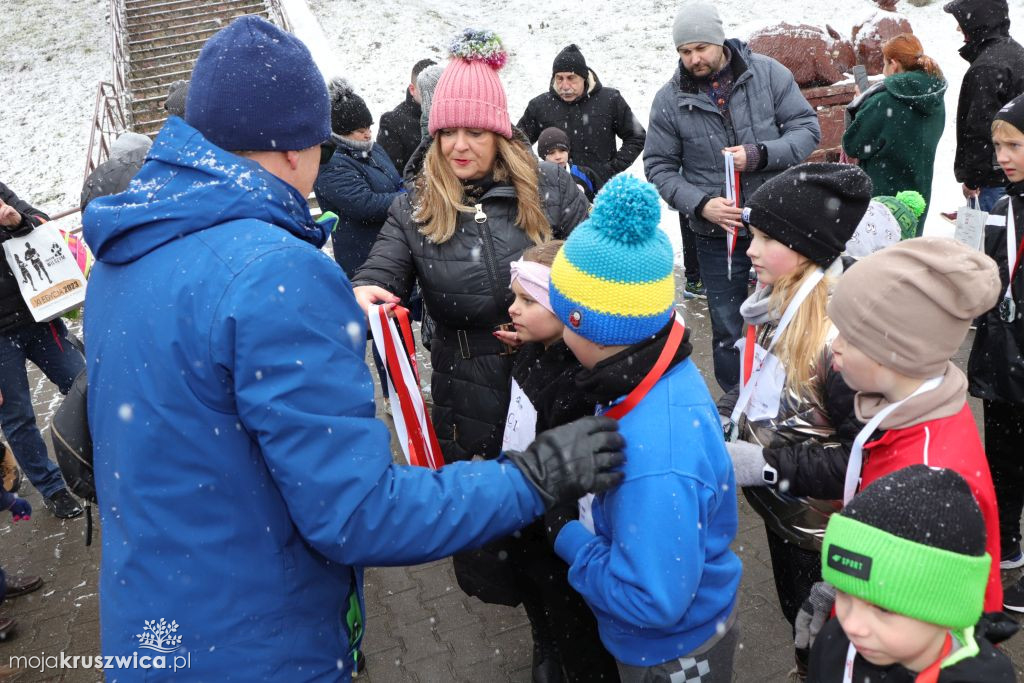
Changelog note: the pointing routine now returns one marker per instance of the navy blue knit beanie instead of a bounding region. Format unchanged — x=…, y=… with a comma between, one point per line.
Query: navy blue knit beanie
x=255, y=87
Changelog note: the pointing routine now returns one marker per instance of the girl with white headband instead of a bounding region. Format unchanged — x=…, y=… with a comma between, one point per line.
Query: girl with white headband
x=544, y=394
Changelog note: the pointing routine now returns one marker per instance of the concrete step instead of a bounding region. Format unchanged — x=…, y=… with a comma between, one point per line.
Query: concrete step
x=147, y=66
x=192, y=12
x=186, y=44
x=181, y=26
x=146, y=87
x=133, y=9
x=168, y=40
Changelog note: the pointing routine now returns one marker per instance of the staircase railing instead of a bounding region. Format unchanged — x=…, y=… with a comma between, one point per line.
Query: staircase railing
x=278, y=15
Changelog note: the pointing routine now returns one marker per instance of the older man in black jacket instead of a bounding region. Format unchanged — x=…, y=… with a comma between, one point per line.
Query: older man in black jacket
x=591, y=114
x=45, y=344
x=400, y=128
x=995, y=77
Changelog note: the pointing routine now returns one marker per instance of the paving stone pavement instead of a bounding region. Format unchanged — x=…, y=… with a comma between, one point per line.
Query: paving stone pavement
x=420, y=627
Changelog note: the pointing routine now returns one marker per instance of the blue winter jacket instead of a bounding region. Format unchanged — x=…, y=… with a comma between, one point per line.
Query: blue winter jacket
x=359, y=187
x=659, y=574
x=243, y=480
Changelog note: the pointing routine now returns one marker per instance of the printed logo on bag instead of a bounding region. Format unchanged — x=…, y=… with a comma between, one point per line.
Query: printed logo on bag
x=849, y=562
x=575, y=318
x=159, y=636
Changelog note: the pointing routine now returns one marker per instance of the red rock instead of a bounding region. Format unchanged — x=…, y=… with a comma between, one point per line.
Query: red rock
x=830, y=104
x=815, y=56
x=869, y=37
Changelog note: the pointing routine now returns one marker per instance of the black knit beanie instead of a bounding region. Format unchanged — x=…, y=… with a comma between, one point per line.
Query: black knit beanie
x=570, y=59
x=1013, y=113
x=551, y=139
x=348, y=110
x=912, y=542
x=812, y=208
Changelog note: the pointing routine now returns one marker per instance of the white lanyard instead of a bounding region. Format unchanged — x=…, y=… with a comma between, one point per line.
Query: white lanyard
x=747, y=390
x=851, y=654
x=856, y=461
x=1011, y=248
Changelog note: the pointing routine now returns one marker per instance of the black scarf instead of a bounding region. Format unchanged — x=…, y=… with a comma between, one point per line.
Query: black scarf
x=475, y=189
x=617, y=376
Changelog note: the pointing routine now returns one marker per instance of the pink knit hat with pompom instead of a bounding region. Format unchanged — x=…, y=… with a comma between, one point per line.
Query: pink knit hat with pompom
x=469, y=94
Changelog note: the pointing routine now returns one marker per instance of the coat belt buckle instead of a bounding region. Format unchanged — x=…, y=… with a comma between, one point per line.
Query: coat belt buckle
x=463, y=344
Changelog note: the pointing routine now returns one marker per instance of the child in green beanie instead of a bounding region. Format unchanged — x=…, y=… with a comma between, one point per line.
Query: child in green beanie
x=907, y=558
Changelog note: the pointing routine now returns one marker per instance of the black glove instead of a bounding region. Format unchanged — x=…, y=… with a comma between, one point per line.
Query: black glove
x=565, y=462
x=557, y=517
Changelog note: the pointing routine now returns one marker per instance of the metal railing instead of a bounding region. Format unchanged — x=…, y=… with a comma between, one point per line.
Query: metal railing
x=108, y=122
x=119, y=58
x=278, y=15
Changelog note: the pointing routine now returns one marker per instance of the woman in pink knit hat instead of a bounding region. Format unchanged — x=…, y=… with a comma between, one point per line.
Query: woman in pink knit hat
x=480, y=200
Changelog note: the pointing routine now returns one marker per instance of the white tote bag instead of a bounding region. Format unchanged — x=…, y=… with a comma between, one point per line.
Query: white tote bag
x=49, y=277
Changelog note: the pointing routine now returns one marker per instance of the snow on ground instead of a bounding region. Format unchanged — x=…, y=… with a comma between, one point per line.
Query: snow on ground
x=51, y=68
x=52, y=55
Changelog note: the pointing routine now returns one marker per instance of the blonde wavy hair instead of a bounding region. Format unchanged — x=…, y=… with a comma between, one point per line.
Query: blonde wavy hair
x=440, y=196
x=799, y=348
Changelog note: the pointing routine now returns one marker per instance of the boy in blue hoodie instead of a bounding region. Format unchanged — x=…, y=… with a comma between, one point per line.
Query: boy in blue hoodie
x=652, y=559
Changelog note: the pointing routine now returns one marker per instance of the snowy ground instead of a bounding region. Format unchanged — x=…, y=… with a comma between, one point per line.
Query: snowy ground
x=51, y=68
x=52, y=55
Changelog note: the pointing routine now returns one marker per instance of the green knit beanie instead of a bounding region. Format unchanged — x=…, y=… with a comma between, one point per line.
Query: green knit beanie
x=907, y=207
x=913, y=542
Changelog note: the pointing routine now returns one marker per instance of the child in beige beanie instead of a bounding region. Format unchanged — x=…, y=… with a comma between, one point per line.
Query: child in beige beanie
x=902, y=313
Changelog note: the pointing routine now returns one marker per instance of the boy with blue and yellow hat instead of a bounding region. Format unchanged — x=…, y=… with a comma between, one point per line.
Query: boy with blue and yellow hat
x=651, y=559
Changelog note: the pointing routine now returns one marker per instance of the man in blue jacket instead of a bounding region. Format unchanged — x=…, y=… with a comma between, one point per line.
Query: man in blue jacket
x=243, y=482
x=722, y=98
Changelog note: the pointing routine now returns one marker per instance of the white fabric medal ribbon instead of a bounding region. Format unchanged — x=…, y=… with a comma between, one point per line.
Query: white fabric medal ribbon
x=732, y=195
x=853, y=466
x=747, y=390
x=1011, y=250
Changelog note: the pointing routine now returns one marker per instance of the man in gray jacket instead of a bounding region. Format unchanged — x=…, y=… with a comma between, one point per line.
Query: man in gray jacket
x=722, y=98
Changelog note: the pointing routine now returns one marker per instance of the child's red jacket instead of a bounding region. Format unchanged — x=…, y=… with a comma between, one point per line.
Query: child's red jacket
x=950, y=442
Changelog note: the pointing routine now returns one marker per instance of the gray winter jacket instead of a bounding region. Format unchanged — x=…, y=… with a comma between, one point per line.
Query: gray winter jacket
x=686, y=134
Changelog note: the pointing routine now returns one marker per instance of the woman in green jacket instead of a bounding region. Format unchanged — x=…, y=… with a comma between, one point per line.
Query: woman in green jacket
x=894, y=126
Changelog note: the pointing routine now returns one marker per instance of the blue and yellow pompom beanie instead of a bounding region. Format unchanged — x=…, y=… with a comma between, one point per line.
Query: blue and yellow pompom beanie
x=612, y=282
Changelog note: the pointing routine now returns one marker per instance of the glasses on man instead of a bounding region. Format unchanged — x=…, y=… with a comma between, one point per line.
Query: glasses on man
x=326, y=151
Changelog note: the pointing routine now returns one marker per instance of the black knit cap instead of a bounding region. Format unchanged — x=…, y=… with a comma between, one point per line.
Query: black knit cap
x=927, y=505
x=348, y=110
x=812, y=208
x=1013, y=113
x=551, y=139
x=570, y=59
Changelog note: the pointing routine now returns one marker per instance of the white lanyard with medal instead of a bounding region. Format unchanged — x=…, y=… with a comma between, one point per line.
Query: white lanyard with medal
x=1008, y=307
x=769, y=396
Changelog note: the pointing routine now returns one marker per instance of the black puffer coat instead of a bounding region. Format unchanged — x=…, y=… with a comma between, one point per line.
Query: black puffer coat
x=995, y=77
x=996, y=367
x=592, y=122
x=400, y=131
x=465, y=286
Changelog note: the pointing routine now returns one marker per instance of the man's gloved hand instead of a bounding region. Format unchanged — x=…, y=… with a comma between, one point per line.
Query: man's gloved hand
x=565, y=462
x=20, y=509
x=747, y=462
x=813, y=614
x=557, y=517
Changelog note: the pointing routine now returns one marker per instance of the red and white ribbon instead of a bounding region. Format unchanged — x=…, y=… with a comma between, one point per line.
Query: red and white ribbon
x=397, y=348
x=732, y=194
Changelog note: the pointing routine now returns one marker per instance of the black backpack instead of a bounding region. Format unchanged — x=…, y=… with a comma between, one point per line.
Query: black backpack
x=72, y=444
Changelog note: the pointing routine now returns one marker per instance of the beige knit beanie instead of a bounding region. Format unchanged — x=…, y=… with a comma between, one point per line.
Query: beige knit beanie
x=908, y=307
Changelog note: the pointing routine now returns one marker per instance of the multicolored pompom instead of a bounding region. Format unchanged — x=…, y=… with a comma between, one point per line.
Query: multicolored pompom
x=476, y=45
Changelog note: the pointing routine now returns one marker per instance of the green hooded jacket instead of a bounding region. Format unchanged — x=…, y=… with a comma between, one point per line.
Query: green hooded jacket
x=895, y=130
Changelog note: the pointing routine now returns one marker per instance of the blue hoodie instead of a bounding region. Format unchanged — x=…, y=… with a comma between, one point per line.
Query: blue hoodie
x=243, y=480
x=659, y=573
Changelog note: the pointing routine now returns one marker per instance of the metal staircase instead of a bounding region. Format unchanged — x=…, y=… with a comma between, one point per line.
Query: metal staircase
x=161, y=40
